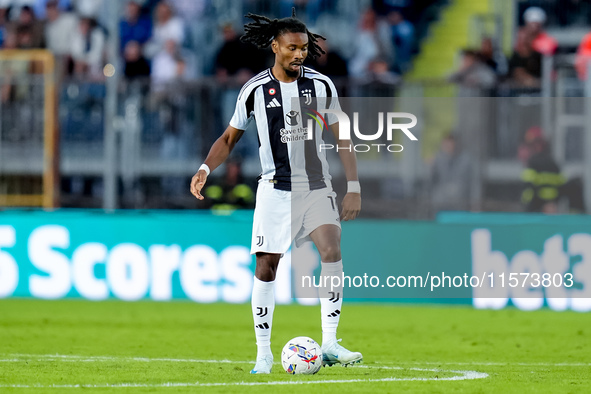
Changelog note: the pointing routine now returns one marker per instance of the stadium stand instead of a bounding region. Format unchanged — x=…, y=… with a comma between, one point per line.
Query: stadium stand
x=172, y=102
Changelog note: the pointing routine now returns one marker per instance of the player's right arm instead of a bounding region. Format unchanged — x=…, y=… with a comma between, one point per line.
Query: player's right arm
x=219, y=152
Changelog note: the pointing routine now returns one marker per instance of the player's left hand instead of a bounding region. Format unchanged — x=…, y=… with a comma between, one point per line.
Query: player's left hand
x=197, y=183
x=351, y=206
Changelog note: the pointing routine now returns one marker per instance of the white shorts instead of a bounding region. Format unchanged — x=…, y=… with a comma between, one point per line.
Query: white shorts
x=281, y=217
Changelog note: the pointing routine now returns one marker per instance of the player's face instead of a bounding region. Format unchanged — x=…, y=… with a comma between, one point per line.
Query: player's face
x=291, y=49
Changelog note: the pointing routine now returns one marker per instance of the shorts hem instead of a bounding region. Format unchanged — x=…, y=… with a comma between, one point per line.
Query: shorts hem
x=253, y=252
x=306, y=237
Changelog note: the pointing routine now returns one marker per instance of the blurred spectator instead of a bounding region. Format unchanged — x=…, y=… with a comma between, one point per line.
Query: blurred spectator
x=492, y=56
x=473, y=72
x=535, y=175
x=13, y=72
x=378, y=81
x=134, y=26
x=541, y=42
x=167, y=27
x=583, y=57
x=40, y=7
x=542, y=179
x=232, y=193
x=3, y=22
x=27, y=22
x=380, y=74
x=453, y=179
x=525, y=66
x=136, y=65
x=87, y=49
x=14, y=7
x=59, y=28
x=330, y=63
x=198, y=24
x=369, y=45
x=167, y=66
x=403, y=38
x=24, y=37
x=16, y=111
x=528, y=146
x=88, y=8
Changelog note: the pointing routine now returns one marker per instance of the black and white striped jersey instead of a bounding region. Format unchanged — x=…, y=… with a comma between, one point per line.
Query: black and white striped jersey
x=289, y=159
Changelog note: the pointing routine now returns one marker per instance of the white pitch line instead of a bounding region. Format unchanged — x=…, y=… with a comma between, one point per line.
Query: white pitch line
x=461, y=375
x=473, y=363
x=66, y=357
x=464, y=375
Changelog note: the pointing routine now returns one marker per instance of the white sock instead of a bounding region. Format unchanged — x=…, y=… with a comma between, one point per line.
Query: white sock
x=263, y=305
x=331, y=300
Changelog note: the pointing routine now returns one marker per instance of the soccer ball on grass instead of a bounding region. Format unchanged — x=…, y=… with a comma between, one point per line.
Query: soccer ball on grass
x=301, y=355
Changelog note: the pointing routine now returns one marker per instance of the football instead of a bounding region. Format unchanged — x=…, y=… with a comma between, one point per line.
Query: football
x=301, y=356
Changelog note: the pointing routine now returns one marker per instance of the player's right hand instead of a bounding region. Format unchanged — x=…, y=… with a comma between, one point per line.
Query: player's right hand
x=197, y=183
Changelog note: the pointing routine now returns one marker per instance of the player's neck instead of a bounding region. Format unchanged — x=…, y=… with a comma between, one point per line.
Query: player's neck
x=282, y=76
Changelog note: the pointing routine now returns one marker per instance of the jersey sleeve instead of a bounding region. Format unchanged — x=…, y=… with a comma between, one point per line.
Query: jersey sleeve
x=243, y=114
x=333, y=103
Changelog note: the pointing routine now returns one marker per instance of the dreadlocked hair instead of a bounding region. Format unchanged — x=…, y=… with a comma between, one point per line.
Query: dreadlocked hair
x=263, y=31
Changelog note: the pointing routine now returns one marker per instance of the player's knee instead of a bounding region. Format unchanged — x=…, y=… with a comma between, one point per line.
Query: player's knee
x=268, y=259
x=330, y=253
x=266, y=266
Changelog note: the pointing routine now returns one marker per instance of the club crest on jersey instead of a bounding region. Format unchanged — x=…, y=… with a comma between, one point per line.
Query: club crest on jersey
x=291, y=119
x=272, y=92
x=307, y=93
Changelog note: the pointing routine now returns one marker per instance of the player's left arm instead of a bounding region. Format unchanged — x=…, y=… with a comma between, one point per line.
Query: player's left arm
x=352, y=201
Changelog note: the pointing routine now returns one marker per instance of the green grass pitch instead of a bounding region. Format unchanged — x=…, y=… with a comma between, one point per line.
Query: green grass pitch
x=147, y=347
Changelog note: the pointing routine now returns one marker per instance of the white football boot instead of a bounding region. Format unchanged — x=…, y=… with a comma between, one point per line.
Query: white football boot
x=333, y=353
x=263, y=365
